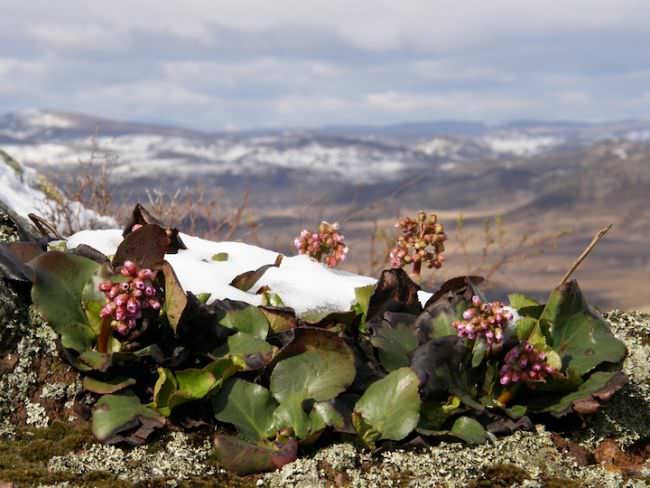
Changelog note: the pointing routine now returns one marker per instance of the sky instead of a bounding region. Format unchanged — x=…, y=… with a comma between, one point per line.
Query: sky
x=215, y=64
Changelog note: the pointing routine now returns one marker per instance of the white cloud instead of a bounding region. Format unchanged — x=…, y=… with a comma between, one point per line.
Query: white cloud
x=462, y=104
x=145, y=92
x=374, y=24
x=214, y=63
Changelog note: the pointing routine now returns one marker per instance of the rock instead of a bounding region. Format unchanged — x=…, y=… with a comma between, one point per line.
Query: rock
x=582, y=455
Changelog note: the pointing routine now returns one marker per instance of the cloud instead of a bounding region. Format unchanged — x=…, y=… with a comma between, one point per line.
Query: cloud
x=216, y=63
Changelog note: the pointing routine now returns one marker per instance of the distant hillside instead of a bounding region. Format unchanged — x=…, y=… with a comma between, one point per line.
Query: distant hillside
x=446, y=164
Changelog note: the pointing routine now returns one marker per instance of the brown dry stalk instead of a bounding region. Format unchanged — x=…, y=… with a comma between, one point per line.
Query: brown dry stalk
x=594, y=242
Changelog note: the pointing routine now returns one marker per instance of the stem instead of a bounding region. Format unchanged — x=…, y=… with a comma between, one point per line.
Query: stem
x=601, y=233
x=505, y=397
x=104, y=334
x=417, y=268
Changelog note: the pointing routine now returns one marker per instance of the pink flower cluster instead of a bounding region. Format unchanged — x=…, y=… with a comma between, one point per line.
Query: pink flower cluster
x=325, y=246
x=126, y=300
x=421, y=241
x=485, y=321
x=524, y=363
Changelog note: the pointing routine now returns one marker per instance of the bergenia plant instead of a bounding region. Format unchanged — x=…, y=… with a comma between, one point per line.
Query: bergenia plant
x=327, y=245
x=270, y=382
x=420, y=242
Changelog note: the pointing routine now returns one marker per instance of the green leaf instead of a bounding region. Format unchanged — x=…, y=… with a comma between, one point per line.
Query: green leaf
x=290, y=414
x=433, y=415
x=517, y=301
x=391, y=406
x=469, y=430
x=362, y=297
x=174, y=389
x=395, y=342
x=516, y=411
x=220, y=256
x=479, y=352
x=324, y=414
x=94, y=360
x=59, y=280
x=122, y=418
x=249, y=319
x=270, y=299
x=111, y=385
x=93, y=300
x=317, y=374
x=165, y=386
x=76, y=336
x=242, y=344
x=203, y=298
x=247, y=406
x=526, y=306
x=600, y=386
x=579, y=334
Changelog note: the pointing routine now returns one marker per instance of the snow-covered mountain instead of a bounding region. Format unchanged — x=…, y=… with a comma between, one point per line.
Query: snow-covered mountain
x=56, y=142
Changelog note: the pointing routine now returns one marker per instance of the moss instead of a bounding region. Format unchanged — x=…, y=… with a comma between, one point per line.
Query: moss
x=25, y=458
x=500, y=475
x=42, y=444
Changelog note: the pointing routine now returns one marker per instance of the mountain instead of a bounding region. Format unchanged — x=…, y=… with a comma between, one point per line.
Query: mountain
x=331, y=159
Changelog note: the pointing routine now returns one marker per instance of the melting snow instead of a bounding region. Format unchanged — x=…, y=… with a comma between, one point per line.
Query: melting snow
x=303, y=284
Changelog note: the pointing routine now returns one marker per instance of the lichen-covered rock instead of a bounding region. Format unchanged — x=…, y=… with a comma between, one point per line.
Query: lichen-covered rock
x=14, y=227
x=627, y=415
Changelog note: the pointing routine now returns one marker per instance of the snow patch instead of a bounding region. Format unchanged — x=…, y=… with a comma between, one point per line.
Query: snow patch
x=20, y=191
x=303, y=284
x=521, y=145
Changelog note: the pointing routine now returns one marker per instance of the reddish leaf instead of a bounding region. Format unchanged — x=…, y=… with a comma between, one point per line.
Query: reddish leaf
x=591, y=403
x=141, y=217
x=302, y=339
x=280, y=318
x=456, y=286
x=25, y=251
x=395, y=292
x=247, y=280
x=146, y=247
x=243, y=458
x=175, y=297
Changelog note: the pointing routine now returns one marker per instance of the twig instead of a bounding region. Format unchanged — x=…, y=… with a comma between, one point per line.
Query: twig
x=585, y=253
